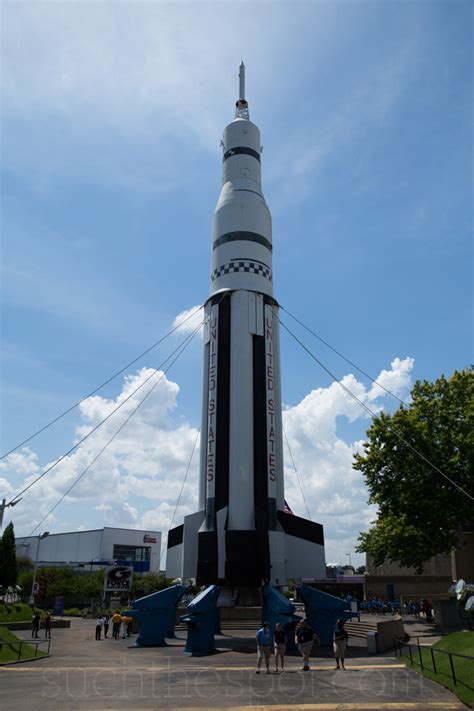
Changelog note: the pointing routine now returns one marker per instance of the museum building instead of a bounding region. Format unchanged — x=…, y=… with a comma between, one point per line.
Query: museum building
x=95, y=549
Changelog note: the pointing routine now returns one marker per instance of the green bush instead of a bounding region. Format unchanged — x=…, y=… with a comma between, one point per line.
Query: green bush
x=15, y=613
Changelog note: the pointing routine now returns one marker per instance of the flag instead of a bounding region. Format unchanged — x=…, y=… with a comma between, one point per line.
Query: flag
x=287, y=509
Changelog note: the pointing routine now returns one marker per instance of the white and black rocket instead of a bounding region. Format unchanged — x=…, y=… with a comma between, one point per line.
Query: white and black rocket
x=242, y=536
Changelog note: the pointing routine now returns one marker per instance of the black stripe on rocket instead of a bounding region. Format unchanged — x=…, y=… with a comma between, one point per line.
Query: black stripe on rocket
x=241, y=150
x=242, y=236
x=223, y=401
x=217, y=460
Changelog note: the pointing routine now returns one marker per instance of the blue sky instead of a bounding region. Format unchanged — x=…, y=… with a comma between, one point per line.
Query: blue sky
x=112, y=114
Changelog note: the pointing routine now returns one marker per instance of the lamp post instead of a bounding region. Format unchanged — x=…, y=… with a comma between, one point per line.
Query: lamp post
x=4, y=506
x=40, y=538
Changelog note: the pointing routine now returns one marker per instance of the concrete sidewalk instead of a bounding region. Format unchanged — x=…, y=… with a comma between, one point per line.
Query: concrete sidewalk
x=110, y=674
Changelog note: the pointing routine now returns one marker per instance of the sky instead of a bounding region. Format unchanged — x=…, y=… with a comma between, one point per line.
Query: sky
x=111, y=120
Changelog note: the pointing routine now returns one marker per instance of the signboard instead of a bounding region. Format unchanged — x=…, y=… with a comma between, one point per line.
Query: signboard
x=58, y=609
x=118, y=578
x=148, y=539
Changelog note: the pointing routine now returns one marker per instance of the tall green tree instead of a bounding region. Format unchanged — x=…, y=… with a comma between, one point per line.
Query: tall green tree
x=8, y=567
x=419, y=510
x=148, y=584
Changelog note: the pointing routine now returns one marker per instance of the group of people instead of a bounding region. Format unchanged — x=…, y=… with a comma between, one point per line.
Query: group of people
x=412, y=607
x=36, y=624
x=305, y=637
x=415, y=608
x=121, y=626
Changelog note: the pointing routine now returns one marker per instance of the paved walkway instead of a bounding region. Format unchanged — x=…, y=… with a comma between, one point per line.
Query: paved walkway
x=83, y=674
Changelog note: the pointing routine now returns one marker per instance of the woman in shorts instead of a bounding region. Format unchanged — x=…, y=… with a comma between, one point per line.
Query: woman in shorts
x=340, y=642
x=279, y=645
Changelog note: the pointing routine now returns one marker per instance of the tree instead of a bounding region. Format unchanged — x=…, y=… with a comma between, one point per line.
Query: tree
x=419, y=510
x=8, y=568
x=148, y=584
x=24, y=564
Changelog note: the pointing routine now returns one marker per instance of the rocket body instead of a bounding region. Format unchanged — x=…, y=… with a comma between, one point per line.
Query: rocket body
x=241, y=432
x=240, y=536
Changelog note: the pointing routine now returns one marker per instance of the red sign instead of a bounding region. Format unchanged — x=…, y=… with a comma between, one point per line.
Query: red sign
x=148, y=539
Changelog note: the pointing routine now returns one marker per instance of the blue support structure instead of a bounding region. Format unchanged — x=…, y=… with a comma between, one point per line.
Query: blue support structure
x=202, y=619
x=322, y=610
x=156, y=616
x=277, y=608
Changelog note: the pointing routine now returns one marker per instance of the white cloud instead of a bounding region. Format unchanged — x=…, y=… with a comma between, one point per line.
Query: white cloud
x=335, y=493
x=137, y=480
x=119, y=513
x=150, y=66
x=21, y=462
x=193, y=317
x=146, y=461
x=397, y=380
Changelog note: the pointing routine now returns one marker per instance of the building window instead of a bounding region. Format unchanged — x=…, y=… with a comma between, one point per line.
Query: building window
x=141, y=553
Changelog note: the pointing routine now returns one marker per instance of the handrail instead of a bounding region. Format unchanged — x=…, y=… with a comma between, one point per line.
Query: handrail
x=20, y=644
x=398, y=643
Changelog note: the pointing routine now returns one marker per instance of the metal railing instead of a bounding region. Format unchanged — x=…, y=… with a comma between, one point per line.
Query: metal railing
x=399, y=644
x=17, y=647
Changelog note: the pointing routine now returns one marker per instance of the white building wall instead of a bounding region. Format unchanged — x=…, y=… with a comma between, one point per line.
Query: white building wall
x=84, y=546
x=129, y=537
x=73, y=547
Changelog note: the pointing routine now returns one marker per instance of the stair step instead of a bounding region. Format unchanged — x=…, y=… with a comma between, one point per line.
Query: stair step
x=360, y=629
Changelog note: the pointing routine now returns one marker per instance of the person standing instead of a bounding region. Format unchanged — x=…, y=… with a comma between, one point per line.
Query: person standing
x=123, y=626
x=99, y=623
x=304, y=639
x=106, y=626
x=35, y=624
x=116, y=620
x=427, y=610
x=264, y=639
x=47, y=625
x=340, y=637
x=279, y=642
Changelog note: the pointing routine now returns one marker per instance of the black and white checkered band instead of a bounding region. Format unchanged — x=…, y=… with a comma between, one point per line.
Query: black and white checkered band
x=241, y=265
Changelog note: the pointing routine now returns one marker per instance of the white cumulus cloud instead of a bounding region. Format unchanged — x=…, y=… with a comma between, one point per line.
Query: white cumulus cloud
x=138, y=478
x=334, y=491
x=190, y=319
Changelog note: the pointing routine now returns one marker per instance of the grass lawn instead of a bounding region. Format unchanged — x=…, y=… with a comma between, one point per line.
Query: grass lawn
x=15, y=612
x=460, y=643
x=9, y=652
